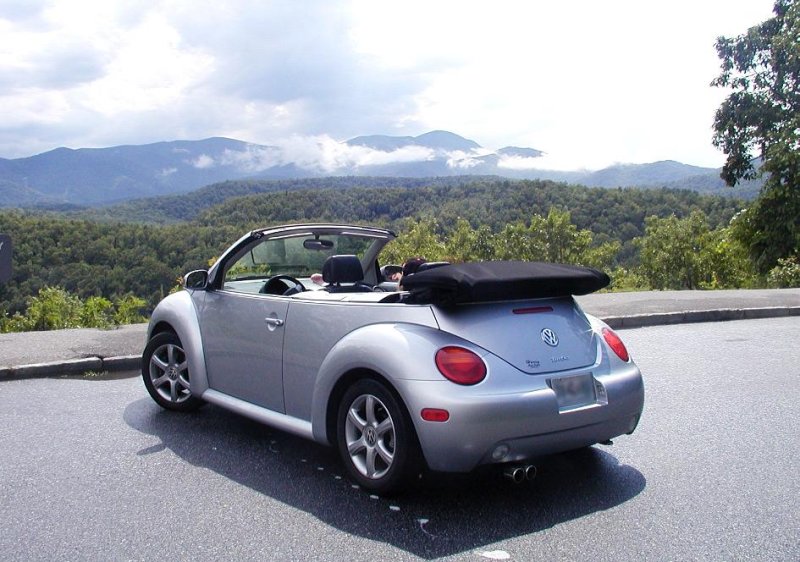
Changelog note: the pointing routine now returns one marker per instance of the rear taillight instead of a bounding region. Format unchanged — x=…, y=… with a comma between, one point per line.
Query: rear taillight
x=615, y=343
x=460, y=365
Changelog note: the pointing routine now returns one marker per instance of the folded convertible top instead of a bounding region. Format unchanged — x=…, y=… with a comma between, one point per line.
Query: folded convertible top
x=501, y=280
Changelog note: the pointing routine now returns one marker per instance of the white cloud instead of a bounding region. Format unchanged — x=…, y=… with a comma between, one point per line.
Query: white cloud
x=254, y=159
x=363, y=156
x=203, y=162
x=150, y=70
x=321, y=154
x=458, y=159
x=589, y=83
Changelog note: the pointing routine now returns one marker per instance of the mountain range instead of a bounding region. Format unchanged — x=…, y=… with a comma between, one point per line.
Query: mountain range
x=99, y=176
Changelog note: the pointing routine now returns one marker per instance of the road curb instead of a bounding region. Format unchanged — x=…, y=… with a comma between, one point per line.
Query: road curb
x=72, y=367
x=692, y=316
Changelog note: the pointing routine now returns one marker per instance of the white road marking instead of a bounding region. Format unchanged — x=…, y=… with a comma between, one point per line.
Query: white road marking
x=496, y=555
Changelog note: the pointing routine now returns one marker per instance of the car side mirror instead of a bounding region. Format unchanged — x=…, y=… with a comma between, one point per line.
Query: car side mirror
x=196, y=280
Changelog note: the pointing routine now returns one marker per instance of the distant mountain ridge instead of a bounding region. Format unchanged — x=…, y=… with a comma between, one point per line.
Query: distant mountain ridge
x=438, y=140
x=98, y=176
x=90, y=176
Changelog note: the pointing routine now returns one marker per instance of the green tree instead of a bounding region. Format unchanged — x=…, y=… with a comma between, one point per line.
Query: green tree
x=623, y=280
x=761, y=119
x=686, y=254
x=418, y=239
x=519, y=242
x=553, y=238
x=725, y=261
x=467, y=244
x=670, y=251
x=561, y=240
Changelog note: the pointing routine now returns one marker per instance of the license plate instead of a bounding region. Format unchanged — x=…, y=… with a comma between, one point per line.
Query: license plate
x=573, y=392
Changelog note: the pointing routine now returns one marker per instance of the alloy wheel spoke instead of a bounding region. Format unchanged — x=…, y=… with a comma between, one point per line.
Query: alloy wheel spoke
x=384, y=427
x=384, y=453
x=371, y=454
x=158, y=362
x=369, y=408
x=355, y=419
x=160, y=380
x=171, y=354
x=356, y=447
x=184, y=382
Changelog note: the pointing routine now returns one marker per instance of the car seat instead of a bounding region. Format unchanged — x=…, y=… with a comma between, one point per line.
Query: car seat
x=343, y=274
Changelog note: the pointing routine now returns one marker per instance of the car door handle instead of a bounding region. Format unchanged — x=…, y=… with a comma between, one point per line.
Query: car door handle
x=273, y=321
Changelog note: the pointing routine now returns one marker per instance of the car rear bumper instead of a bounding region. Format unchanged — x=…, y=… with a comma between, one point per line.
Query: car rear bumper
x=487, y=428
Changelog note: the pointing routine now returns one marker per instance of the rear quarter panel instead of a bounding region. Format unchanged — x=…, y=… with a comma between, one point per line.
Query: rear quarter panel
x=324, y=340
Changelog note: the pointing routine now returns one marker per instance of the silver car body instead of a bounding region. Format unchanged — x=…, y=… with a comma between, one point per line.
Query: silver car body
x=284, y=360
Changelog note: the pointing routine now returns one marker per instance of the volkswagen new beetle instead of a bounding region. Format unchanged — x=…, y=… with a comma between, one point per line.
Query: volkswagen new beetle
x=469, y=364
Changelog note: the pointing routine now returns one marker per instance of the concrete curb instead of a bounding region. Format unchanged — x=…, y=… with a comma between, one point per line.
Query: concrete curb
x=133, y=362
x=72, y=367
x=691, y=316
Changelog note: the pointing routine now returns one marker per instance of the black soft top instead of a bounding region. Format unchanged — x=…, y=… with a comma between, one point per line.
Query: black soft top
x=501, y=280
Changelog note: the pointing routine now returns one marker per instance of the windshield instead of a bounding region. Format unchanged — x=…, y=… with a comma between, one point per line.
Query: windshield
x=300, y=255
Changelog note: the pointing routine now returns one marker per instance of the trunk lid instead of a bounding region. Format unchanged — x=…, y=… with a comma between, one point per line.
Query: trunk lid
x=535, y=336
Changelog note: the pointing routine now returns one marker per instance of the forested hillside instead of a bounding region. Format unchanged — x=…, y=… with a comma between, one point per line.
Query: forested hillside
x=103, y=259
x=178, y=208
x=617, y=213
x=114, y=259
x=489, y=200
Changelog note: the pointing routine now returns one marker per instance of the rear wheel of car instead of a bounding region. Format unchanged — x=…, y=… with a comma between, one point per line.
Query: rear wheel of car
x=376, y=439
x=165, y=371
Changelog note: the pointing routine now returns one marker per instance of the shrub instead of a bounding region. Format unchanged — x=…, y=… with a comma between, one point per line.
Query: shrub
x=786, y=274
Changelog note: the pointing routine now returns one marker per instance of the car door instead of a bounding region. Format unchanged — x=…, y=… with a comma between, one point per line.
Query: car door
x=243, y=343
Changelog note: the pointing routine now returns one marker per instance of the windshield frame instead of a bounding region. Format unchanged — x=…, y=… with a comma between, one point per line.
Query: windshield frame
x=378, y=237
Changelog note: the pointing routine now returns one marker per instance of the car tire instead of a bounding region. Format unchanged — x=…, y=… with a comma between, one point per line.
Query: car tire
x=376, y=439
x=165, y=372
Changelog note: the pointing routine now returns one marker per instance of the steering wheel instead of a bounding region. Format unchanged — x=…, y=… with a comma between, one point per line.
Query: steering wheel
x=282, y=285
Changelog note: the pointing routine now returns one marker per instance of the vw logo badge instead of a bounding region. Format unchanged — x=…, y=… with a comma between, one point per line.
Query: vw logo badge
x=549, y=337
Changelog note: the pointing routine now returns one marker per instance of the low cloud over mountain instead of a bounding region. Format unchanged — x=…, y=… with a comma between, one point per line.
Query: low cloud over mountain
x=97, y=176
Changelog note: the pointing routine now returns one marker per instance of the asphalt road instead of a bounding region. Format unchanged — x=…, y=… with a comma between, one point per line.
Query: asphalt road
x=94, y=470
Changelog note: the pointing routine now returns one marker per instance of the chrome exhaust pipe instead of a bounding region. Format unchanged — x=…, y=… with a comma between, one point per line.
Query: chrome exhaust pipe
x=515, y=474
x=530, y=472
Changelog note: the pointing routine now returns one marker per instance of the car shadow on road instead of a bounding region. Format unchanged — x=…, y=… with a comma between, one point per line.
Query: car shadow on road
x=441, y=516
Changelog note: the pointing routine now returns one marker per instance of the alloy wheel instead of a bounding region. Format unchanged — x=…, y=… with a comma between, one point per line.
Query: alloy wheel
x=169, y=373
x=370, y=436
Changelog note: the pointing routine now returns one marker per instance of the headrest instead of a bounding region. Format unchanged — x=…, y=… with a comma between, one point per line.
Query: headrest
x=342, y=269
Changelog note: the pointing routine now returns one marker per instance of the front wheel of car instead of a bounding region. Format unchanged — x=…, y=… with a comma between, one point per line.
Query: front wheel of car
x=165, y=371
x=376, y=438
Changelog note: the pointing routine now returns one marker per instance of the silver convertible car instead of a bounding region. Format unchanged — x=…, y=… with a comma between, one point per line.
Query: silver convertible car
x=465, y=365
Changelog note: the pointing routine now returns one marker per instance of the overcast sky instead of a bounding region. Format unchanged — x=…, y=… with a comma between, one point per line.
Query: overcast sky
x=588, y=82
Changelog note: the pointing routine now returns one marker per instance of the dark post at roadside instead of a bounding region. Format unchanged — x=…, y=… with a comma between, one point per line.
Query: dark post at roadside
x=5, y=258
